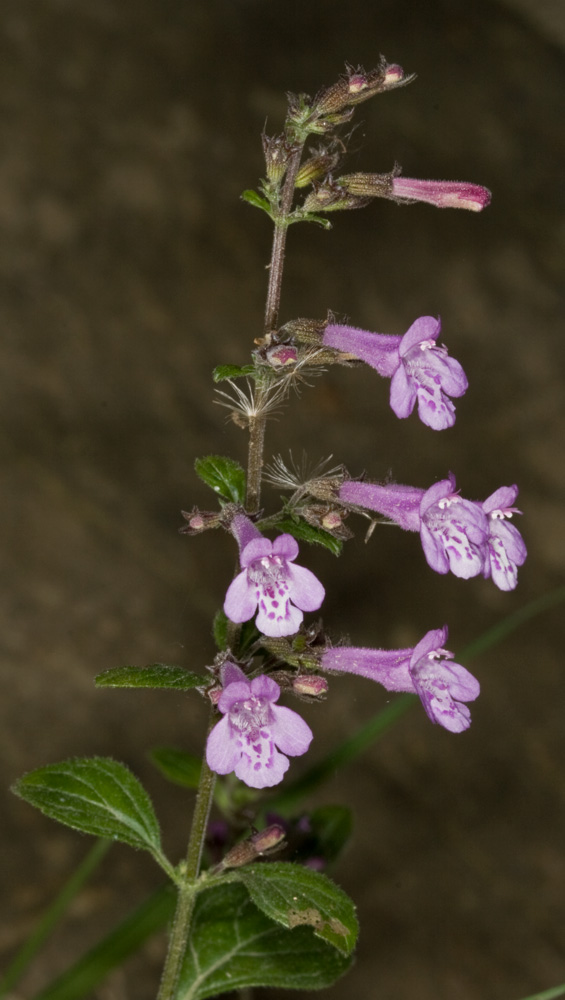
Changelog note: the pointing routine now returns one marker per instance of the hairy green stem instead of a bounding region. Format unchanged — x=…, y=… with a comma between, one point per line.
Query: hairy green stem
x=258, y=420
x=187, y=882
x=187, y=886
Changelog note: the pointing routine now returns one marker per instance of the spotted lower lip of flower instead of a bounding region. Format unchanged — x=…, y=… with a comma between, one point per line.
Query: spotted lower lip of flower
x=428, y=375
x=442, y=685
x=271, y=582
x=420, y=370
x=453, y=531
x=425, y=669
x=254, y=730
x=442, y=194
x=505, y=546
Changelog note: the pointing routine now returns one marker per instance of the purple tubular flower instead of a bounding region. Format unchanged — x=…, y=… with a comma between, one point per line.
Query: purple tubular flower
x=268, y=581
x=465, y=537
x=246, y=739
x=426, y=670
x=506, y=548
x=419, y=369
x=442, y=194
x=399, y=503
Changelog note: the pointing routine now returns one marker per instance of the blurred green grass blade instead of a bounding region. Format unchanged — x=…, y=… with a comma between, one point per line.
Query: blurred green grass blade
x=52, y=916
x=82, y=978
x=509, y=624
x=346, y=752
x=557, y=991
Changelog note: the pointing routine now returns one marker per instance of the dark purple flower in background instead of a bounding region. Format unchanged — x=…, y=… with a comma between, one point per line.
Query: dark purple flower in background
x=442, y=194
x=426, y=669
x=246, y=739
x=420, y=370
x=270, y=582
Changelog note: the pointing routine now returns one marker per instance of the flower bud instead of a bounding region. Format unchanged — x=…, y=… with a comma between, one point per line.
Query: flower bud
x=281, y=355
x=359, y=86
x=316, y=167
x=214, y=693
x=268, y=839
x=323, y=516
x=442, y=194
x=310, y=686
x=199, y=521
x=394, y=75
x=276, y=151
x=264, y=842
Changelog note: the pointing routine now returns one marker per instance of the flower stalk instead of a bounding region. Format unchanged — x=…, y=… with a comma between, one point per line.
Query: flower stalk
x=189, y=873
x=276, y=267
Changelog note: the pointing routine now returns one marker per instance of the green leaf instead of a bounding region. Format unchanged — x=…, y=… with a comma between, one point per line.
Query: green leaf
x=127, y=938
x=95, y=795
x=232, y=371
x=156, y=675
x=220, y=630
x=305, y=532
x=300, y=216
x=293, y=895
x=225, y=476
x=178, y=766
x=253, y=198
x=233, y=945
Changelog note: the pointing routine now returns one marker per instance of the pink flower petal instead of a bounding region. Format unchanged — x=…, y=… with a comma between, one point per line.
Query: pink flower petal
x=241, y=600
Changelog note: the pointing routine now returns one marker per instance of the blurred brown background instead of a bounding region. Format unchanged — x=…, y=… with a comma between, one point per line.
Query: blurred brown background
x=128, y=269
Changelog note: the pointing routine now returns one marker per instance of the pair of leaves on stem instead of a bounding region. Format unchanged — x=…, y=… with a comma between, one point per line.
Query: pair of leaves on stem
x=264, y=924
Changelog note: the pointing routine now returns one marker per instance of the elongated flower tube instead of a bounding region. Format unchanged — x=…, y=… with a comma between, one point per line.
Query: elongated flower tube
x=442, y=194
x=427, y=670
x=465, y=537
x=420, y=370
x=270, y=582
x=246, y=739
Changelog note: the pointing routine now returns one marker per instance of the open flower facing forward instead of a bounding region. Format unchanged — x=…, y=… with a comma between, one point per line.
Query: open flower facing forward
x=506, y=548
x=454, y=531
x=420, y=370
x=426, y=669
x=246, y=739
x=465, y=537
x=270, y=582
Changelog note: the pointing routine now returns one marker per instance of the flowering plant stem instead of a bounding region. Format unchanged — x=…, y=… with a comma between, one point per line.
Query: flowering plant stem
x=258, y=420
x=190, y=871
x=187, y=885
